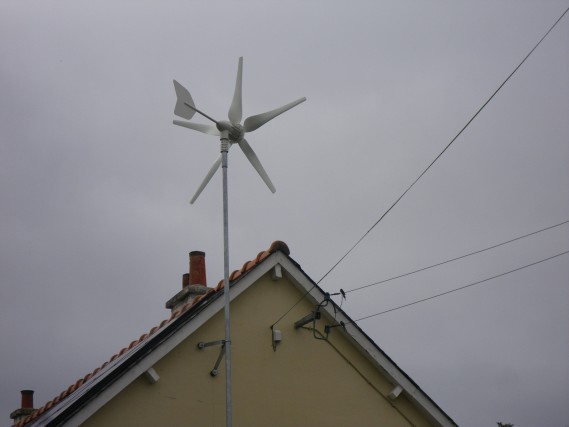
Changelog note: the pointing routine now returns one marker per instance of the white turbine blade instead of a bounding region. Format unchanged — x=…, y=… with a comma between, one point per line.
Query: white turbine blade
x=255, y=122
x=183, y=97
x=207, y=178
x=209, y=129
x=250, y=154
x=236, y=109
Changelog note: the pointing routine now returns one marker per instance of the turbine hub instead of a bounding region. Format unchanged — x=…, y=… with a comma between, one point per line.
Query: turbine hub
x=236, y=131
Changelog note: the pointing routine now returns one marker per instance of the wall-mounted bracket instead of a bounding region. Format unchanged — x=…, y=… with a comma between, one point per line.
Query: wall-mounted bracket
x=151, y=376
x=394, y=394
x=313, y=316
x=277, y=272
x=202, y=345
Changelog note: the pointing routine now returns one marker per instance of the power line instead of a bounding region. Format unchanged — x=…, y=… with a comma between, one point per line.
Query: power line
x=452, y=290
x=453, y=259
x=425, y=171
x=446, y=148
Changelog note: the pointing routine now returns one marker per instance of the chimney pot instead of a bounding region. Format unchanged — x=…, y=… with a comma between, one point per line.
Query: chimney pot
x=194, y=283
x=185, y=280
x=27, y=407
x=27, y=399
x=197, y=268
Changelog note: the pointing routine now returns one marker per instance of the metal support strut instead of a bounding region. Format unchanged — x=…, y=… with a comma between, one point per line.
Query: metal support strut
x=202, y=345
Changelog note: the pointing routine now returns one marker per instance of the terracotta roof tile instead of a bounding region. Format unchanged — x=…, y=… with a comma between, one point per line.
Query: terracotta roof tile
x=234, y=275
x=275, y=246
x=261, y=256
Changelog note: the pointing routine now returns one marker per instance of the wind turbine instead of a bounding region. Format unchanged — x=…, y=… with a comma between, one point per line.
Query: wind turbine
x=230, y=132
x=235, y=131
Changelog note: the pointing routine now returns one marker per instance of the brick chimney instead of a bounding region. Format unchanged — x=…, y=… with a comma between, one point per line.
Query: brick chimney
x=194, y=283
x=27, y=406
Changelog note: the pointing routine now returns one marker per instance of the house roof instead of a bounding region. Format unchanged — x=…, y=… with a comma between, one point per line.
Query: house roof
x=73, y=398
x=90, y=377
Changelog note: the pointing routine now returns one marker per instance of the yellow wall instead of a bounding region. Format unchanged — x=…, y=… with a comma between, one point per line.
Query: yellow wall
x=306, y=382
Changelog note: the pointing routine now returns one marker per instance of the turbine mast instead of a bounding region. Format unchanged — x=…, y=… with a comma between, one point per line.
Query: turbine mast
x=227, y=342
x=230, y=133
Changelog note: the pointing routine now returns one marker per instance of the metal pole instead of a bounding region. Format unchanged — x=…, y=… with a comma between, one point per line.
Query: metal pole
x=224, y=150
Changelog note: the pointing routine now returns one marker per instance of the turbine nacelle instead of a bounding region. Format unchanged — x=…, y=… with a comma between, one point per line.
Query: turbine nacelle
x=236, y=131
x=186, y=108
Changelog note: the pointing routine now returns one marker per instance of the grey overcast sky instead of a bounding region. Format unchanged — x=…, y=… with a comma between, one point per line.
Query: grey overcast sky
x=95, y=224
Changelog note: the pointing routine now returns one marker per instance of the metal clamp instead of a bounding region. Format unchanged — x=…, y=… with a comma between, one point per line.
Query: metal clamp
x=202, y=345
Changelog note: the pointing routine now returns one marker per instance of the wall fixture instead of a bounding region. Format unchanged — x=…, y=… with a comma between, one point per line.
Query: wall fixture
x=315, y=315
x=395, y=392
x=277, y=337
x=151, y=376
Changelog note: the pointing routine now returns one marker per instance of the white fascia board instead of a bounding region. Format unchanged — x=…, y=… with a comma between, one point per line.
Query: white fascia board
x=174, y=340
x=394, y=373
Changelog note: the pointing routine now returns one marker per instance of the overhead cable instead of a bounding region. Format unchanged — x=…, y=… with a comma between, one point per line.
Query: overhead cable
x=452, y=290
x=449, y=260
x=428, y=167
x=446, y=148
